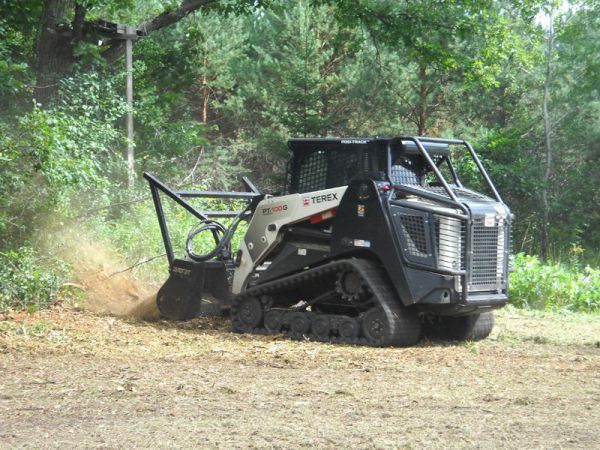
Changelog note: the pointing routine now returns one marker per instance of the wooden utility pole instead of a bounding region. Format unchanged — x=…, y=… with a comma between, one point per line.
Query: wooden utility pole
x=126, y=33
x=118, y=33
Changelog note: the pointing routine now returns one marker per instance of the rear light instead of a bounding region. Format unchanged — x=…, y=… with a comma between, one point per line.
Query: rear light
x=384, y=187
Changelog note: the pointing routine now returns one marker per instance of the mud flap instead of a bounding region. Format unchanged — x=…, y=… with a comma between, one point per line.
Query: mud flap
x=194, y=289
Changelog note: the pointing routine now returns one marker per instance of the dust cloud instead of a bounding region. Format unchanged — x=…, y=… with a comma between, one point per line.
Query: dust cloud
x=109, y=288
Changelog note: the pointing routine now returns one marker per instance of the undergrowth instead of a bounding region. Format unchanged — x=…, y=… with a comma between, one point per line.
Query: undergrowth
x=29, y=280
x=554, y=285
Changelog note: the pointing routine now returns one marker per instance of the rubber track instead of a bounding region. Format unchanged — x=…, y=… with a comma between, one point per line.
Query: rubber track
x=378, y=283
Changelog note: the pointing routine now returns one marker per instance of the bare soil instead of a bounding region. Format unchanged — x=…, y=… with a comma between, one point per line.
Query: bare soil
x=74, y=378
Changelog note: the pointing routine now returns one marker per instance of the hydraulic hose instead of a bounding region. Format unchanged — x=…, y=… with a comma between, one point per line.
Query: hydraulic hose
x=220, y=233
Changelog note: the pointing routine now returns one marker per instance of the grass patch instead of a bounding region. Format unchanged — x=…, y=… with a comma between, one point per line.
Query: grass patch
x=516, y=325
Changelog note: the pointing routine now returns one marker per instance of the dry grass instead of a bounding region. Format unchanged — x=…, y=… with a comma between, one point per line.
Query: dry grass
x=77, y=378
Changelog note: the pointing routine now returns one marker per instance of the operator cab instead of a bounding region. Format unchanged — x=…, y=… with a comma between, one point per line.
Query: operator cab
x=324, y=163
x=409, y=167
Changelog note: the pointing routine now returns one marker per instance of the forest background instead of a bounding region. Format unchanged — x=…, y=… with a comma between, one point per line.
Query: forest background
x=219, y=86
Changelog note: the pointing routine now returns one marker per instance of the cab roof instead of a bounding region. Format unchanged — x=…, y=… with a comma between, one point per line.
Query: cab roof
x=350, y=143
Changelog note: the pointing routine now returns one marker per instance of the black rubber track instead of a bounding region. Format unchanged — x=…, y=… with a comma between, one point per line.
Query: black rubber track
x=464, y=328
x=403, y=325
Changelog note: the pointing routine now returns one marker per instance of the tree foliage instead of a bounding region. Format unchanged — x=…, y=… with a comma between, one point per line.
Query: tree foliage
x=221, y=85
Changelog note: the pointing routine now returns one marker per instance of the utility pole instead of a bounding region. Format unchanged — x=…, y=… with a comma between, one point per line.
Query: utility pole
x=550, y=35
x=128, y=34
x=120, y=32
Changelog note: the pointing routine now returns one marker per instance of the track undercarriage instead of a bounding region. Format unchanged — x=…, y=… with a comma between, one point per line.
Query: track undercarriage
x=364, y=310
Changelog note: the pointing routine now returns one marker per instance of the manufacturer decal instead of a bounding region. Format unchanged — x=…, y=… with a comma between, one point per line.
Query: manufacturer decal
x=324, y=198
x=274, y=209
x=362, y=243
x=354, y=141
x=360, y=210
x=490, y=220
x=307, y=201
x=181, y=270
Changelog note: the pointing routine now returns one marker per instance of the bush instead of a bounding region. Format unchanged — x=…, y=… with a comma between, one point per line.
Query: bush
x=554, y=286
x=28, y=281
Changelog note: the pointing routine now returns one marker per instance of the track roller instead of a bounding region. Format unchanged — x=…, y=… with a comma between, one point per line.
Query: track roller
x=321, y=325
x=248, y=315
x=299, y=323
x=406, y=325
x=348, y=328
x=375, y=324
x=273, y=321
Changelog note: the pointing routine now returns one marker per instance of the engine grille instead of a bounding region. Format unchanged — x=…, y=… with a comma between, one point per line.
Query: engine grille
x=450, y=241
x=444, y=249
x=437, y=240
x=487, y=263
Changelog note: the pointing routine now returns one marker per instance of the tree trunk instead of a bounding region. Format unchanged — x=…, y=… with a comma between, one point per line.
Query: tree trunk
x=55, y=46
x=547, y=145
x=205, y=89
x=422, y=106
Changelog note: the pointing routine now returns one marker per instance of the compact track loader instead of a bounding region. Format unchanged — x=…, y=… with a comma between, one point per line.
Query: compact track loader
x=375, y=241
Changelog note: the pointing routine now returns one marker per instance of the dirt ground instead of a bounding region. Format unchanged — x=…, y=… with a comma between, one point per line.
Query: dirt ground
x=82, y=379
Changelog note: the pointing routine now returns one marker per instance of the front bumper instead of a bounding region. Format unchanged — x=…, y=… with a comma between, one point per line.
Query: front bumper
x=476, y=303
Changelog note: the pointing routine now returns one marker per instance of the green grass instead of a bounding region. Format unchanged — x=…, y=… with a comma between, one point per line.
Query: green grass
x=518, y=325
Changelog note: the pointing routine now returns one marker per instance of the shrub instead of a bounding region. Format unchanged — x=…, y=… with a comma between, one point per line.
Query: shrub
x=554, y=286
x=28, y=281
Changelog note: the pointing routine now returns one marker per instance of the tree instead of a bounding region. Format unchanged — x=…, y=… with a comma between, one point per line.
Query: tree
x=63, y=28
x=465, y=43
x=303, y=68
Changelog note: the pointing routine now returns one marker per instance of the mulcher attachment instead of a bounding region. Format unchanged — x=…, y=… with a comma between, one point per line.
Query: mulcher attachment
x=380, y=320
x=193, y=289
x=199, y=284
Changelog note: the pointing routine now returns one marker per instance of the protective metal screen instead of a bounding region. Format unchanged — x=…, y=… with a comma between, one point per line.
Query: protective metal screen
x=328, y=166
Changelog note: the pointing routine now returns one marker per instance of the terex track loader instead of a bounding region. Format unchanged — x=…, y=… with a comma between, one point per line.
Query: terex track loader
x=375, y=240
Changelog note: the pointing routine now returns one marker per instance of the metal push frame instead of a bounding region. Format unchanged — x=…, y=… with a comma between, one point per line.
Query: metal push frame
x=453, y=201
x=156, y=188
